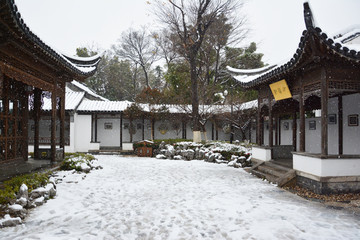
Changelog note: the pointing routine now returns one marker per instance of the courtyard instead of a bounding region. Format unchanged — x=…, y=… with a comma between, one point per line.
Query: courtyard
x=146, y=198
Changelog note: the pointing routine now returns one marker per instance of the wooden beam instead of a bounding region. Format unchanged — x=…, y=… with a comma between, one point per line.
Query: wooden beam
x=340, y=124
x=96, y=123
x=53, y=126
x=143, y=128
x=271, y=136
x=324, y=112
x=258, y=123
x=294, y=129
x=121, y=130
x=36, y=117
x=302, y=118
x=25, y=121
x=276, y=130
x=62, y=122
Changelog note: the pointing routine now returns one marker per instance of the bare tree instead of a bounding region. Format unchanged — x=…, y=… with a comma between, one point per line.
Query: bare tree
x=139, y=47
x=190, y=21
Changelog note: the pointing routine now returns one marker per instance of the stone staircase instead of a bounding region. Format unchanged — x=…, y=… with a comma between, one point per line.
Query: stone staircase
x=273, y=172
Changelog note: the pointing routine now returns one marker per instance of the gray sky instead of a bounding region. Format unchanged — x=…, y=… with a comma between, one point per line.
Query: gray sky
x=276, y=25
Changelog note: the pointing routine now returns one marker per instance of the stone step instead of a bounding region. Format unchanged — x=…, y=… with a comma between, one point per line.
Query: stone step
x=269, y=177
x=278, y=166
x=271, y=170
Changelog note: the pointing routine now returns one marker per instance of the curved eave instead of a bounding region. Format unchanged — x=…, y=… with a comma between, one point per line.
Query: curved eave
x=15, y=25
x=311, y=34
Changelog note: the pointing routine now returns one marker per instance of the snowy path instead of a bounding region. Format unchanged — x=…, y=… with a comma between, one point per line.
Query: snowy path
x=142, y=198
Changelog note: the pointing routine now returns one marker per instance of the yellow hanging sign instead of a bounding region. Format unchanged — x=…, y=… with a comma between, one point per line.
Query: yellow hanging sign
x=280, y=90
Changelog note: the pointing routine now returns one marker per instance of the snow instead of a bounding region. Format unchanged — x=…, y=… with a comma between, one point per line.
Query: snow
x=146, y=198
x=251, y=71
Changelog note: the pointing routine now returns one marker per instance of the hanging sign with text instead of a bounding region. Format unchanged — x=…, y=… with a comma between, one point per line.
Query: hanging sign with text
x=280, y=90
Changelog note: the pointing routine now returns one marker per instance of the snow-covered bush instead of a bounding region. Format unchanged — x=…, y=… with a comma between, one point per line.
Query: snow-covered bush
x=80, y=162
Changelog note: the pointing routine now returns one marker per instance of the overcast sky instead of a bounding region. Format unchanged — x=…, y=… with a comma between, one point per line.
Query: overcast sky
x=276, y=25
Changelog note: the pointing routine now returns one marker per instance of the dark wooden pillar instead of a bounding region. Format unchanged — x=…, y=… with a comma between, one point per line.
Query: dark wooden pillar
x=341, y=133
x=53, y=125
x=62, y=121
x=96, y=123
x=258, y=124
x=183, y=129
x=143, y=128
x=212, y=131
x=36, y=117
x=121, y=130
x=271, y=136
x=280, y=127
x=276, y=130
x=25, y=121
x=294, y=129
x=324, y=112
x=153, y=128
x=302, y=120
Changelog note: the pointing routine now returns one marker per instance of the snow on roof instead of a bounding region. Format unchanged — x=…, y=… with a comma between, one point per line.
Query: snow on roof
x=87, y=90
x=250, y=71
x=349, y=37
x=103, y=106
x=72, y=100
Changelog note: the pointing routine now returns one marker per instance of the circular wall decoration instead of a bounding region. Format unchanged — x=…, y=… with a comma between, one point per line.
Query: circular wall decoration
x=163, y=128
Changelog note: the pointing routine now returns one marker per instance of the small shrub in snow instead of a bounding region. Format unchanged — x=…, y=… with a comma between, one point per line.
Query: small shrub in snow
x=80, y=162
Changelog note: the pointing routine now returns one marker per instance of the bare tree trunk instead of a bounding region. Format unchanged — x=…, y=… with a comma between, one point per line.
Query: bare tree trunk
x=195, y=101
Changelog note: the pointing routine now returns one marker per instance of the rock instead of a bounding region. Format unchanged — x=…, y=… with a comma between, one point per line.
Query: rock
x=237, y=142
x=39, y=201
x=185, y=146
x=22, y=201
x=85, y=168
x=162, y=145
x=23, y=192
x=178, y=157
x=17, y=210
x=95, y=164
x=160, y=156
x=189, y=154
x=51, y=190
x=170, y=152
x=39, y=192
x=8, y=221
x=30, y=205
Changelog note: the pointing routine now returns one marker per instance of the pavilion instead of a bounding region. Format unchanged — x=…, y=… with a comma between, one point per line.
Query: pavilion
x=323, y=74
x=30, y=71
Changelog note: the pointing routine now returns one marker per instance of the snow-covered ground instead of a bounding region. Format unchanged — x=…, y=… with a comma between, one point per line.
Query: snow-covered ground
x=144, y=198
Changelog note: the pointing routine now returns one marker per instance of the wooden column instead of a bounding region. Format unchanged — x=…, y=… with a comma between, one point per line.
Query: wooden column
x=62, y=121
x=294, y=128
x=276, y=130
x=212, y=131
x=143, y=128
x=25, y=121
x=324, y=112
x=121, y=130
x=36, y=117
x=341, y=133
x=92, y=127
x=302, y=118
x=53, y=125
x=96, y=123
x=280, y=127
x=258, y=123
x=153, y=128
x=271, y=136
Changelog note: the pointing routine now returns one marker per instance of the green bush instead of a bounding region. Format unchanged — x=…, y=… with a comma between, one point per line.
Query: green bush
x=12, y=186
x=72, y=160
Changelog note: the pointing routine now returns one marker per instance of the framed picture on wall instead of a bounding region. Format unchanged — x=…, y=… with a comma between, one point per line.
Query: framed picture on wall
x=312, y=125
x=353, y=120
x=108, y=125
x=332, y=119
x=286, y=125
